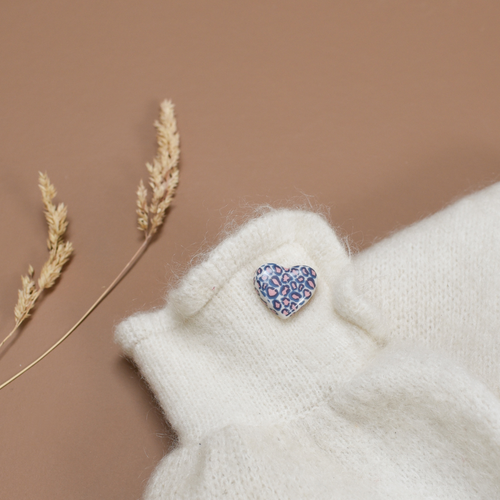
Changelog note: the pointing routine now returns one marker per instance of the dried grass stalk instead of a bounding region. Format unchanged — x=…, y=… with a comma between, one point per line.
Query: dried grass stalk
x=163, y=173
x=163, y=180
x=59, y=253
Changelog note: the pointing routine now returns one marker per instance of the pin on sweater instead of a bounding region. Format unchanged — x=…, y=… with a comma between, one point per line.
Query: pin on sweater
x=285, y=290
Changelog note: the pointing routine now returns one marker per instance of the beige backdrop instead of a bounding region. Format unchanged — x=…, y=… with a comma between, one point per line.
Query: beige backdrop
x=381, y=111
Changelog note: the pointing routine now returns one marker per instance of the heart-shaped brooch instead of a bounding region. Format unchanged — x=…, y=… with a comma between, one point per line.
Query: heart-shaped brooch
x=285, y=289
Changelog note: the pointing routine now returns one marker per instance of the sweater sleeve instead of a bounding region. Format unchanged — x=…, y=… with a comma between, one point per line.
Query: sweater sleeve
x=216, y=355
x=438, y=283
x=318, y=405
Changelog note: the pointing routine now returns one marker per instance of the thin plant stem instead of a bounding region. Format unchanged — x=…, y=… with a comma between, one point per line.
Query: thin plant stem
x=20, y=320
x=18, y=324
x=104, y=294
x=10, y=334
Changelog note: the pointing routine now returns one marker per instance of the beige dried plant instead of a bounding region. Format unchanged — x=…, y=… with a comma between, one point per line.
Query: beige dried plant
x=163, y=174
x=163, y=180
x=59, y=253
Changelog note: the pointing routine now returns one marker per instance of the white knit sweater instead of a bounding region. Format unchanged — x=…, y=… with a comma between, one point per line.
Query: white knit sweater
x=384, y=386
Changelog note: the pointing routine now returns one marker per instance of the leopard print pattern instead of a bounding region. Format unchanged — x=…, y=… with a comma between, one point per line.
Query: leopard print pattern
x=285, y=289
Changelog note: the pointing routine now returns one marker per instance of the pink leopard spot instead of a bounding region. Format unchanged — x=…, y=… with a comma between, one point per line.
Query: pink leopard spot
x=306, y=293
x=275, y=281
x=286, y=302
x=272, y=292
x=286, y=278
x=311, y=283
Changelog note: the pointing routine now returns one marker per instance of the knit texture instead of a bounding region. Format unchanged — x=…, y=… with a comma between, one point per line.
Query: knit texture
x=438, y=283
x=347, y=399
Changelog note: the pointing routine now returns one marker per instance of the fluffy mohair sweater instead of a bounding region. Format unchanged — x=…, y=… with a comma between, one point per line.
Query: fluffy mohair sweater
x=386, y=385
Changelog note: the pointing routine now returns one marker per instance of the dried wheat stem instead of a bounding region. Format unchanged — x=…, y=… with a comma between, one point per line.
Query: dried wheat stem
x=59, y=253
x=106, y=292
x=164, y=177
x=11, y=333
x=163, y=173
x=18, y=323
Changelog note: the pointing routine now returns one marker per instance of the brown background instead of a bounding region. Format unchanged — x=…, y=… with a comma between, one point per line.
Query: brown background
x=381, y=111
